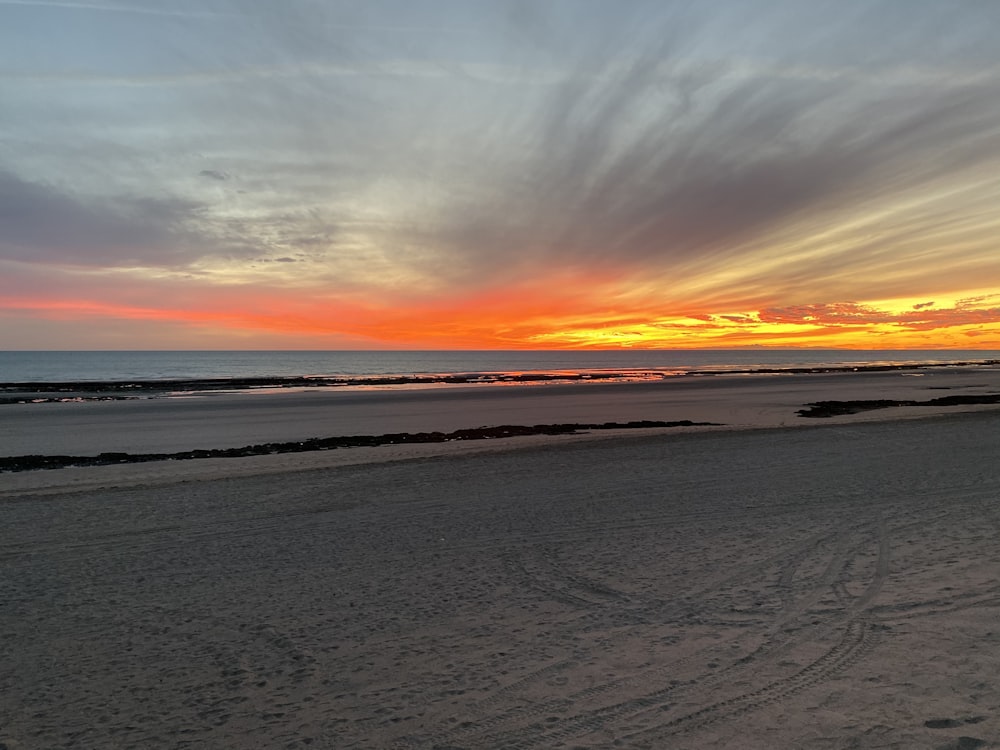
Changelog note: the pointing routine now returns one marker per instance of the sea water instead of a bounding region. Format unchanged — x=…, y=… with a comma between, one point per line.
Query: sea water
x=62, y=366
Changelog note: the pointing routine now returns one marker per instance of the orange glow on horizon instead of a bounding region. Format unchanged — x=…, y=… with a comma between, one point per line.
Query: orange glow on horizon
x=565, y=316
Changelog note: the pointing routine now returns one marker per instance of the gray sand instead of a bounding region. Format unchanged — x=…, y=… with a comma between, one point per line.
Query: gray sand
x=836, y=587
x=233, y=420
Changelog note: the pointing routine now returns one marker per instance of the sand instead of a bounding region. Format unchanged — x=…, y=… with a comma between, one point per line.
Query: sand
x=237, y=419
x=829, y=586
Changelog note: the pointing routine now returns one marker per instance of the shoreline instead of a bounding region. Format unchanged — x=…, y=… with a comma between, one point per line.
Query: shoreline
x=26, y=392
x=232, y=427
x=816, y=410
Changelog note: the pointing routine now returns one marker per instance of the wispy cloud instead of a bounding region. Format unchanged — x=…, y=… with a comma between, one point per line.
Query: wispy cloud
x=134, y=7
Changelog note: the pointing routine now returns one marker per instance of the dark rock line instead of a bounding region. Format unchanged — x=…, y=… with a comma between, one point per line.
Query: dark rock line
x=130, y=389
x=826, y=409
x=29, y=463
x=60, y=400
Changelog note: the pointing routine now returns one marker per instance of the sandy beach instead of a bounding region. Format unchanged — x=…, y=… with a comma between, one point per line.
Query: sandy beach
x=828, y=583
x=230, y=419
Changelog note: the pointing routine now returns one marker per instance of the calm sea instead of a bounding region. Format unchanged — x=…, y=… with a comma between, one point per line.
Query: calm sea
x=153, y=365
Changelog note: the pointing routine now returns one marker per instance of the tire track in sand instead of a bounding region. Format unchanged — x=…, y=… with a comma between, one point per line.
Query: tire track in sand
x=790, y=560
x=859, y=636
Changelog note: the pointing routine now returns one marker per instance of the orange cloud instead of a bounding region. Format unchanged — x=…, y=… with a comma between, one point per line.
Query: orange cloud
x=569, y=310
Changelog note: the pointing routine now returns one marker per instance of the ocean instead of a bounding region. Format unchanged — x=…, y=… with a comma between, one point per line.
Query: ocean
x=97, y=366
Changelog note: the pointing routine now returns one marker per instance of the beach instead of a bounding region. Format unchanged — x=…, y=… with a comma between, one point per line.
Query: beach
x=772, y=581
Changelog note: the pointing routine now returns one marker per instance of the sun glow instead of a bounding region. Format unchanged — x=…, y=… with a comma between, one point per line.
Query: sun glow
x=521, y=316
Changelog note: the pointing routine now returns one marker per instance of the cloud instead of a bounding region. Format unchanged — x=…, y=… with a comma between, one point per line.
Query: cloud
x=41, y=223
x=112, y=8
x=971, y=311
x=699, y=184
x=53, y=225
x=651, y=156
x=213, y=174
x=841, y=313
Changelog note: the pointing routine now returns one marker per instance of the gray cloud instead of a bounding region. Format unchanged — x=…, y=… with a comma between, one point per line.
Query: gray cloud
x=666, y=156
x=40, y=223
x=48, y=224
x=716, y=165
x=111, y=8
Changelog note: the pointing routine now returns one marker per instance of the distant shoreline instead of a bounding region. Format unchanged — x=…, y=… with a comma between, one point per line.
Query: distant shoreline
x=387, y=422
x=26, y=392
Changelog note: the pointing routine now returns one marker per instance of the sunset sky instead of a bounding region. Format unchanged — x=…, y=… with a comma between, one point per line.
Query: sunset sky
x=441, y=174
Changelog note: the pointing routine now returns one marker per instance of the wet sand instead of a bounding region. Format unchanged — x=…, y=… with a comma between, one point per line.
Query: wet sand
x=830, y=586
x=229, y=420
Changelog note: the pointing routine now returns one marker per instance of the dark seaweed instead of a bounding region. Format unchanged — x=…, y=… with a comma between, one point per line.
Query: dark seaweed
x=29, y=463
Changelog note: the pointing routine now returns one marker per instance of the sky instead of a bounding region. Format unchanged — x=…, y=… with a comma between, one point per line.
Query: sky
x=499, y=174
